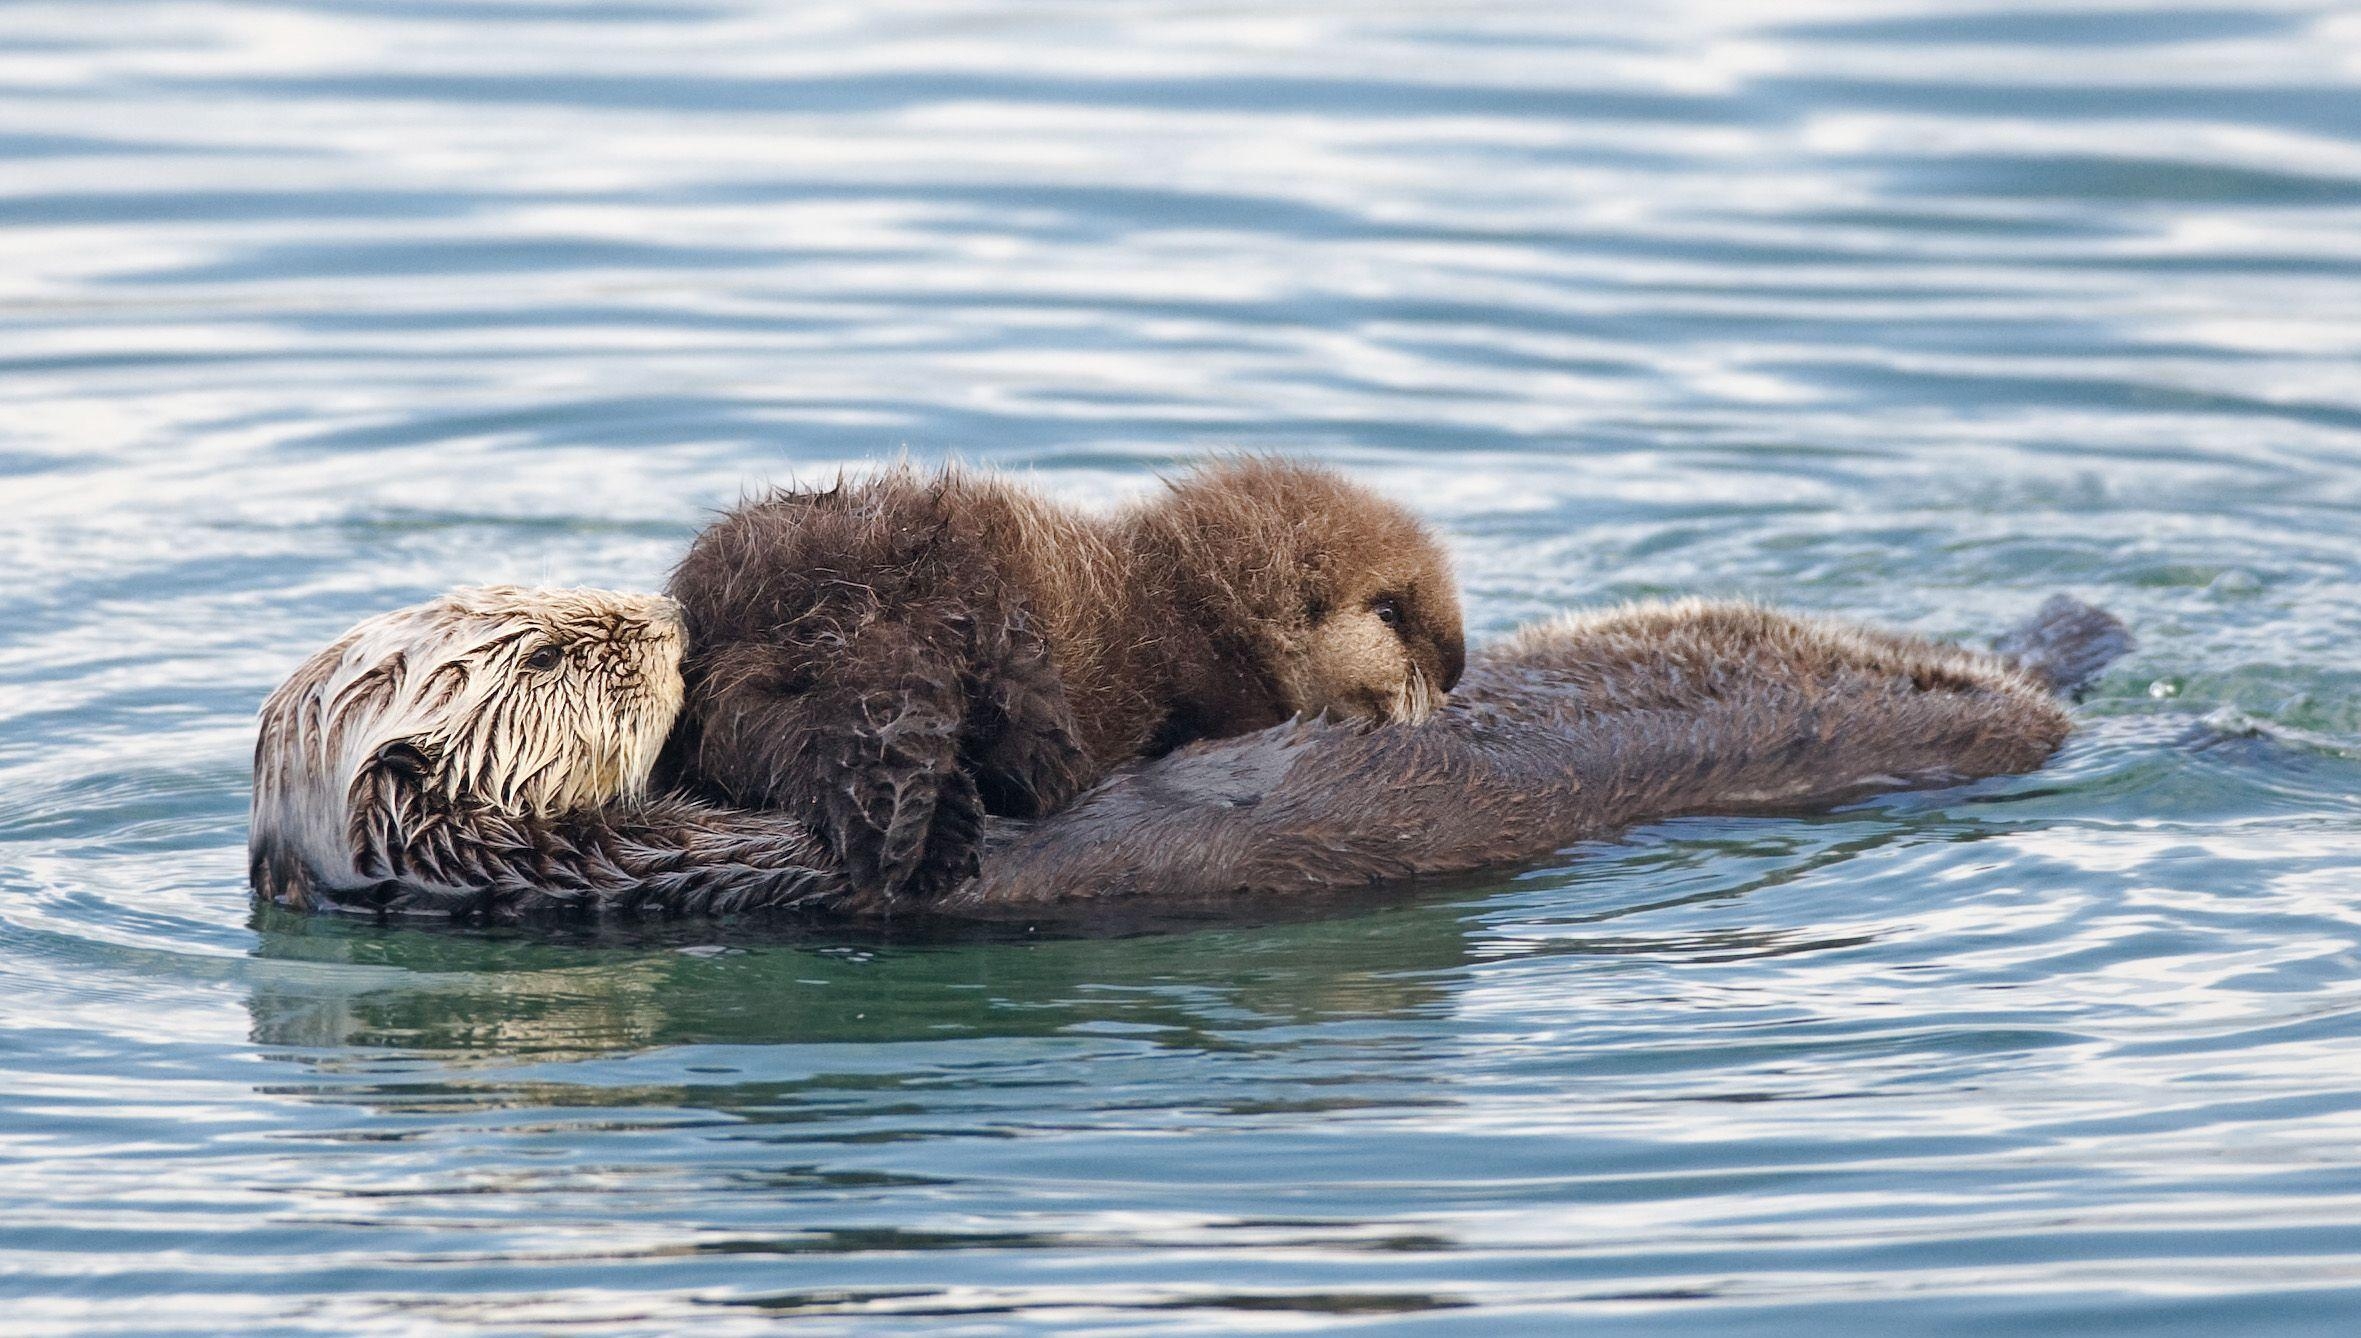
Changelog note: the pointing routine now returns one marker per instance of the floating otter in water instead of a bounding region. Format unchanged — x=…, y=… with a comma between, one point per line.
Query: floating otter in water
x=485, y=720
x=892, y=660
x=1565, y=732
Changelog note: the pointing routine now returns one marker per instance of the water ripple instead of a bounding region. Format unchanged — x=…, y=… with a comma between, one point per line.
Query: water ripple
x=313, y=307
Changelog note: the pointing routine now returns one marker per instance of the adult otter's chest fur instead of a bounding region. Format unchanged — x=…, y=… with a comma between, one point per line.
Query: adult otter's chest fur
x=893, y=659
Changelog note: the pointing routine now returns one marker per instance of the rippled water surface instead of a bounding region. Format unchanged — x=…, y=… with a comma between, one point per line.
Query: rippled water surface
x=1918, y=313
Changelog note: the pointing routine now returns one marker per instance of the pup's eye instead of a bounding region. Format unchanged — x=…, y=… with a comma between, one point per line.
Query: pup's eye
x=545, y=659
x=1388, y=610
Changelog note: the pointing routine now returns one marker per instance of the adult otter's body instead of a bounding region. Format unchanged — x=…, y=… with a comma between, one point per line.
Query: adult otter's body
x=1566, y=732
x=893, y=659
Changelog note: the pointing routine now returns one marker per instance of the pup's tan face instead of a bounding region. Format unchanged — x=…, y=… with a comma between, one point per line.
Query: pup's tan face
x=1383, y=644
x=518, y=701
x=1351, y=599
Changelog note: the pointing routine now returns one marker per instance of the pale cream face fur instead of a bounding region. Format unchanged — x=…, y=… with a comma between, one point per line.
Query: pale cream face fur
x=1355, y=665
x=523, y=702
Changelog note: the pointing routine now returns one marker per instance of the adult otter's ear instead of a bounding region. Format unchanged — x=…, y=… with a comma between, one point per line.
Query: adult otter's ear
x=386, y=809
x=405, y=758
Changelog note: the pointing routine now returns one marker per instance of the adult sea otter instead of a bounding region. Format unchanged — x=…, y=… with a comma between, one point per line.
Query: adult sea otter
x=484, y=757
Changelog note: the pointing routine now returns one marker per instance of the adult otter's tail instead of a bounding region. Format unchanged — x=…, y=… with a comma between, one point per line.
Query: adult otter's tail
x=2066, y=643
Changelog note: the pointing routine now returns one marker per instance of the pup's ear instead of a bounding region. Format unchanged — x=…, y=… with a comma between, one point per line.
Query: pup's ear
x=387, y=808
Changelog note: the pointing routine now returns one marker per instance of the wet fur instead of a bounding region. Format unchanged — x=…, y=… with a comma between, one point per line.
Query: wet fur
x=892, y=660
x=1565, y=732
x=394, y=754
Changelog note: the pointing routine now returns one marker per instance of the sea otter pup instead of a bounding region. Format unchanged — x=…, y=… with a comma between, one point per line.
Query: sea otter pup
x=386, y=781
x=891, y=660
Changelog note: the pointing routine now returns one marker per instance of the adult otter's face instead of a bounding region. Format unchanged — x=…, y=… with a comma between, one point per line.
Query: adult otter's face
x=508, y=700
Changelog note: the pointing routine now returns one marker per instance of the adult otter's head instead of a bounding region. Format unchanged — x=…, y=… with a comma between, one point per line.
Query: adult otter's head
x=498, y=702
x=1342, y=599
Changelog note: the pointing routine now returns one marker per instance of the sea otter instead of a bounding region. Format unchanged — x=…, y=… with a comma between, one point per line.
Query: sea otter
x=1568, y=731
x=891, y=660
x=484, y=720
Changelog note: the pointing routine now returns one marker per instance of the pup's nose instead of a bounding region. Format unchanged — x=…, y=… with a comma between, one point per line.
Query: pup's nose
x=1454, y=662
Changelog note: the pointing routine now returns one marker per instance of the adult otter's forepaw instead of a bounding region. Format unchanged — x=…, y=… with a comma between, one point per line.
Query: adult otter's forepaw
x=892, y=802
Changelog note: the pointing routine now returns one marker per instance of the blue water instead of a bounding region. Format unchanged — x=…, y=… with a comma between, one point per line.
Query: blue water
x=1910, y=311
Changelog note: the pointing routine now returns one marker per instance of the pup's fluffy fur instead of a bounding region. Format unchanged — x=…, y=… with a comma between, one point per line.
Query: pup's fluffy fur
x=892, y=659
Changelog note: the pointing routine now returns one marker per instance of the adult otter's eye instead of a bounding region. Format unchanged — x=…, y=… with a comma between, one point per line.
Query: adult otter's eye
x=545, y=659
x=1388, y=610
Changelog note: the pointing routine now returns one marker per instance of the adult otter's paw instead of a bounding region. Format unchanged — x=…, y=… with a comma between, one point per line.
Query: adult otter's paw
x=869, y=757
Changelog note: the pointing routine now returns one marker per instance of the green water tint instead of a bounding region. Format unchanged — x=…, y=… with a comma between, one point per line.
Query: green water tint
x=754, y=983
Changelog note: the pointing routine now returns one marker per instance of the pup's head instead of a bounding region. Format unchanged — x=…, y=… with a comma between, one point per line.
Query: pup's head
x=501, y=701
x=1352, y=596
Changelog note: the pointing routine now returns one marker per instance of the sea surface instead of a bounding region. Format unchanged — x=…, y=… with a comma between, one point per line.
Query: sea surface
x=1914, y=312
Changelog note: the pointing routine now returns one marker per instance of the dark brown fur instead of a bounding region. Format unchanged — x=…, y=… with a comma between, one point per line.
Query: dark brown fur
x=667, y=856
x=892, y=660
x=1564, y=733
